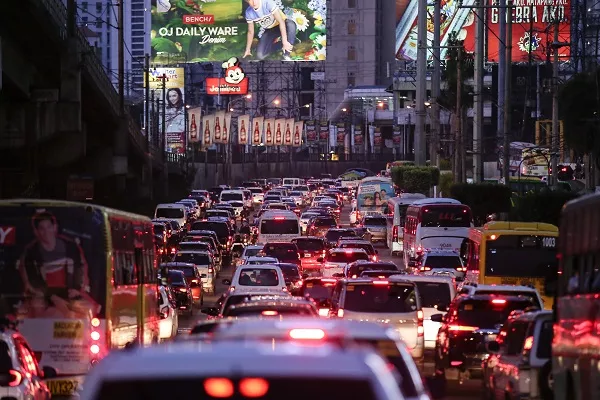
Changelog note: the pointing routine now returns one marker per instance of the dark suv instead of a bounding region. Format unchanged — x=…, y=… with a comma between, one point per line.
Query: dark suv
x=285, y=252
x=470, y=323
x=181, y=291
x=318, y=226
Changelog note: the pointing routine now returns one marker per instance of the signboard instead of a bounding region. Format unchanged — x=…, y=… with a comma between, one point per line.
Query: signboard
x=234, y=81
x=311, y=132
x=341, y=133
x=257, y=130
x=324, y=132
x=359, y=138
x=287, y=136
x=175, y=78
x=377, y=139
x=397, y=136
x=279, y=130
x=218, y=127
x=297, y=138
x=243, y=128
x=194, y=121
x=269, y=132
x=373, y=196
x=208, y=124
x=317, y=76
x=212, y=30
x=80, y=189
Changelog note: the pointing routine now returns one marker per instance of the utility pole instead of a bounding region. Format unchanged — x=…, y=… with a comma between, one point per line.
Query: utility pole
x=121, y=39
x=507, y=90
x=147, y=121
x=555, y=123
x=458, y=142
x=435, y=84
x=502, y=11
x=420, y=139
x=478, y=95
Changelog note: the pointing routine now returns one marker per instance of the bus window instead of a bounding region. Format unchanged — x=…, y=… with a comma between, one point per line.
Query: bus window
x=521, y=256
x=446, y=217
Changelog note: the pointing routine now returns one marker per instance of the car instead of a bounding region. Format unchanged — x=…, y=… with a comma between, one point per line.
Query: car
x=258, y=196
x=249, y=251
x=391, y=301
x=336, y=260
x=292, y=275
x=252, y=369
x=449, y=262
x=205, y=265
x=169, y=318
x=333, y=235
x=257, y=278
x=229, y=299
x=220, y=228
x=193, y=278
x=520, y=362
x=298, y=198
x=261, y=260
x=310, y=249
x=21, y=377
x=376, y=227
x=239, y=207
x=319, y=290
x=181, y=291
x=286, y=252
x=359, y=244
x=379, y=273
x=305, y=219
x=320, y=225
x=383, y=339
x=470, y=322
x=273, y=308
x=356, y=268
x=503, y=290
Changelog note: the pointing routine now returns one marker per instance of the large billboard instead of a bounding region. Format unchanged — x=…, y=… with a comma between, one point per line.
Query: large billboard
x=215, y=30
x=531, y=18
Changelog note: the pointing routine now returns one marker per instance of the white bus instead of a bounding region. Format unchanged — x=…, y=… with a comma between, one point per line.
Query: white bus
x=435, y=224
x=278, y=226
x=372, y=196
x=396, y=215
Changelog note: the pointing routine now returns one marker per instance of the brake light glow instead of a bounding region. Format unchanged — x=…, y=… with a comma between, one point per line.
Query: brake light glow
x=328, y=280
x=95, y=322
x=307, y=333
x=461, y=328
x=461, y=269
x=420, y=314
x=269, y=313
x=183, y=290
x=499, y=301
x=16, y=378
x=381, y=282
x=95, y=335
x=210, y=270
x=279, y=218
x=493, y=237
x=340, y=313
x=253, y=387
x=218, y=387
x=374, y=258
x=94, y=349
x=528, y=345
x=348, y=251
x=425, y=268
x=323, y=312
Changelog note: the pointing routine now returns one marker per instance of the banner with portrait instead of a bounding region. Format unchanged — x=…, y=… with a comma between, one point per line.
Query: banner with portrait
x=226, y=135
x=279, y=130
x=397, y=136
x=243, y=128
x=341, y=133
x=311, y=131
x=53, y=278
x=269, y=132
x=359, y=137
x=324, y=132
x=257, y=130
x=219, y=121
x=208, y=125
x=287, y=136
x=194, y=122
x=297, y=137
x=377, y=138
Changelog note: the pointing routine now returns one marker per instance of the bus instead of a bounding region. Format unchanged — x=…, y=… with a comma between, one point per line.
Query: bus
x=79, y=280
x=576, y=343
x=396, y=215
x=513, y=253
x=278, y=226
x=435, y=224
x=372, y=196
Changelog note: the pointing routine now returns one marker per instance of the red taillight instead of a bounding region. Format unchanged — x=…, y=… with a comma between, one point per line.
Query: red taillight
x=15, y=378
x=340, y=313
x=528, y=345
x=461, y=269
x=462, y=328
x=279, y=218
x=425, y=268
x=420, y=328
x=94, y=349
x=383, y=283
x=210, y=270
x=328, y=280
x=183, y=290
x=196, y=280
x=313, y=334
x=499, y=301
x=348, y=251
x=173, y=249
x=395, y=233
x=374, y=258
x=254, y=387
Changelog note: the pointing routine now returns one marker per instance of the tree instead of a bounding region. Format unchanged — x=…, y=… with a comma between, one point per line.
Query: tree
x=450, y=74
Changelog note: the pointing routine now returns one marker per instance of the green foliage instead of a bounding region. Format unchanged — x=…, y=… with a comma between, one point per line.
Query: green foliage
x=450, y=76
x=483, y=199
x=446, y=181
x=414, y=179
x=540, y=206
x=445, y=164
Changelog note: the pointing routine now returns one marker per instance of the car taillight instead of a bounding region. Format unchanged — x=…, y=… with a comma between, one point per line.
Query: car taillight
x=462, y=328
x=395, y=233
x=15, y=378
x=196, y=280
x=461, y=269
x=499, y=301
x=528, y=345
x=425, y=268
x=323, y=312
x=340, y=313
x=420, y=329
x=210, y=270
x=374, y=258
x=384, y=283
x=183, y=290
x=307, y=333
x=173, y=249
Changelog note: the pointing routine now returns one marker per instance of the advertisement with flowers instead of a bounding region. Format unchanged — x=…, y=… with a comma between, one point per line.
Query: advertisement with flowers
x=251, y=30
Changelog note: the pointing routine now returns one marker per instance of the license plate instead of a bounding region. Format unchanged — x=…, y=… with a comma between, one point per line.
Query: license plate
x=62, y=387
x=307, y=255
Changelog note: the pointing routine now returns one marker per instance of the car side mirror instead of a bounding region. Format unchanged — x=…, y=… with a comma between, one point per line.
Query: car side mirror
x=226, y=282
x=49, y=372
x=492, y=347
x=212, y=311
x=320, y=259
x=442, y=307
x=437, y=317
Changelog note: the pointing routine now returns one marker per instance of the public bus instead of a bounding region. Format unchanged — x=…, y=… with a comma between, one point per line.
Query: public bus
x=513, y=253
x=435, y=224
x=396, y=215
x=372, y=195
x=576, y=343
x=79, y=280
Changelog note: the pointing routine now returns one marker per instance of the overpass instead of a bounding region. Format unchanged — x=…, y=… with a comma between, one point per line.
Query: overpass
x=60, y=119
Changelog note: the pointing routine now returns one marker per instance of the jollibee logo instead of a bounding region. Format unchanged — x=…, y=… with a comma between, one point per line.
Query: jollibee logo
x=234, y=74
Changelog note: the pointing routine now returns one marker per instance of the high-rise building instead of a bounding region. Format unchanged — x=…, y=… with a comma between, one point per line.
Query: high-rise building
x=98, y=19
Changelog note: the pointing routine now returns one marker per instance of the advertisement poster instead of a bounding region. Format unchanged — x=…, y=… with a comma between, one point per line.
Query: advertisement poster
x=257, y=131
x=311, y=131
x=243, y=128
x=215, y=30
x=397, y=136
x=208, y=124
x=298, y=127
x=359, y=138
x=226, y=134
x=289, y=127
x=194, y=120
x=341, y=133
x=234, y=80
x=269, y=132
x=175, y=142
x=377, y=139
x=218, y=127
x=324, y=132
x=279, y=130
x=374, y=195
x=53, y=279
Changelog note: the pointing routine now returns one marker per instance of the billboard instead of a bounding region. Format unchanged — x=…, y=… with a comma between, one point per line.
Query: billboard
x=324, y=132
x=194, y=120
x=218, y=127
x=358, y=135
x=269, y=137
x=311, y=131
x=279, y=129
x=289, y=127
x=257, y=130
x=341, y=133
x=234, y=81
x=243, y=126
x=297, y=140
x=531, y=20
x=213, y=30
x=397, y=136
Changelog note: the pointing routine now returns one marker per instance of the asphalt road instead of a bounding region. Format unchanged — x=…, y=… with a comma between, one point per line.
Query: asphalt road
x=470, y=390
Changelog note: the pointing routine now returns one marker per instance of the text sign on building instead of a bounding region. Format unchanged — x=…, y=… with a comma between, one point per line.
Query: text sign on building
x=234, y=82
x=317, y=76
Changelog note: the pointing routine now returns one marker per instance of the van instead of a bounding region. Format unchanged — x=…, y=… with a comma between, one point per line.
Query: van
x=395, y=211
x=232, y=195
x=172, y=211
x=278, y=225
x=293, y=181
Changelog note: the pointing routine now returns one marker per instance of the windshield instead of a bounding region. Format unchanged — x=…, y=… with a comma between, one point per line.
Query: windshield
x=251, y=252
x=309, y=244
x=290, y=271
x=443, y=262
x=485, y=314
x=258, y=277
x=187, y=271
x=193, y=258
x=232, y=196
x=295, y=194
x=169, y=213
x=544, y=349
x=325, y=222
x=434, y=294
x=255, y=191
x=394, y=298
x=532, y=296
x=334, y=236
x=368, y=247
x=176, y=278
x=446, y=216
x=318, y=290
x=308, y=215
x=375, y=222
x=217, y=213
x=220, y=228
x=357, y=269
x=267, y=311
x=194, y=246
x=302, y=188
x=279, y=227
x=380, y=274
x=521, y=256
x=346, y=257
x=281, y=251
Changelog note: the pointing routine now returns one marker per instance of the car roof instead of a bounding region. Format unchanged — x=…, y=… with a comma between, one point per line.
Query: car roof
x=277, y=302
x=193, y=252
x=425, y=278
x=177, y=264
x=499, y=288
x=488, y=297
x=241, y=291
x=253, y=247
x=257, y=258
x=362, y=280
x=351, y=249
x=443, y=253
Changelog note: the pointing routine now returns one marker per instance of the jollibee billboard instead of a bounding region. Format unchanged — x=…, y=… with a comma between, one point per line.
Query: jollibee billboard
x=212, y=30
x=532, y=23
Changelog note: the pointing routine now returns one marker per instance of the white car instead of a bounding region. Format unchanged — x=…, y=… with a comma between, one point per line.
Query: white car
x=169, y=318
x=298, y=198
x=21, y=378
x=249, y=251
x=336, y=260
x=260, y=260
x=257, y=278
x=258, y=196
x=238, y=207
x=506, y=290
x=193, y=369
x=305, y=219
x=443, y=261
x=204, y=263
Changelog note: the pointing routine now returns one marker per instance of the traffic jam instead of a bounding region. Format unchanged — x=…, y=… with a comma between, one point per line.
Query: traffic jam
x=288, y=288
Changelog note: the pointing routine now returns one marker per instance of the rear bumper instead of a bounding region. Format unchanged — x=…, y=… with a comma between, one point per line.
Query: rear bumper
x=397, y=246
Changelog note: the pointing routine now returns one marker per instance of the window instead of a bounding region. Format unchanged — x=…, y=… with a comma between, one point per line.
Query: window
x=351, y=27
x=98, y=23
x=351, y=79
x=84, y=5
x=351, y=3
x=98, y=8
x=351, y=53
